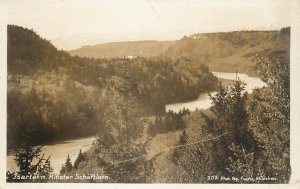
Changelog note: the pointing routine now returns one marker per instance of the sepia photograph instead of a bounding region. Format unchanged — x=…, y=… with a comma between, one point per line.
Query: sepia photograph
x=148, y=91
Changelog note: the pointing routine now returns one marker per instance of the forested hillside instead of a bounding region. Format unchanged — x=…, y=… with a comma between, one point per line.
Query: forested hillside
x=230, y=51
x=52, y=95
x=121, y=49
x=223, y=51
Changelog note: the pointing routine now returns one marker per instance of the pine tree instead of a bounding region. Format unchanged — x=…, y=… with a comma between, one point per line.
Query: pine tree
x=24, y=158
x=228, y=115
x=62, y=170
x=237, y=104
x=68, y=164
x=80, y=158
x=220, y=100
x=122, y=129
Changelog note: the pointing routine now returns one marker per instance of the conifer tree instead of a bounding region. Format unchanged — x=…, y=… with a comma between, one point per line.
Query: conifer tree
x=220, y=100
x=68, y=164
x=80, y=158
x=122, y=129
x=25, y=158
x=62, y=170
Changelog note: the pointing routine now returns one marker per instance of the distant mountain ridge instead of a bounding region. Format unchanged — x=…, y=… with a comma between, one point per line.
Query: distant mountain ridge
x=146, y=48
x=222, y=51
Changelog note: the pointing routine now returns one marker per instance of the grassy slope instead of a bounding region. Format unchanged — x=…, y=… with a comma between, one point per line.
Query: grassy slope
x=245, y=56
x=230, y=51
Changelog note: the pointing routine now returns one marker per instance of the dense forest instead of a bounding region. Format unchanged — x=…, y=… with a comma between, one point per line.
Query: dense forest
x=52, y=95
x=242, y=138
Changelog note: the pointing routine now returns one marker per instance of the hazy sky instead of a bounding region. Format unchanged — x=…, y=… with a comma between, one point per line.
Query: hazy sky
x=71, y=24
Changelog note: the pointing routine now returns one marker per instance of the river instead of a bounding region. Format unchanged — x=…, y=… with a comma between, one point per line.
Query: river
x=204, y=102
x=59, y=150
